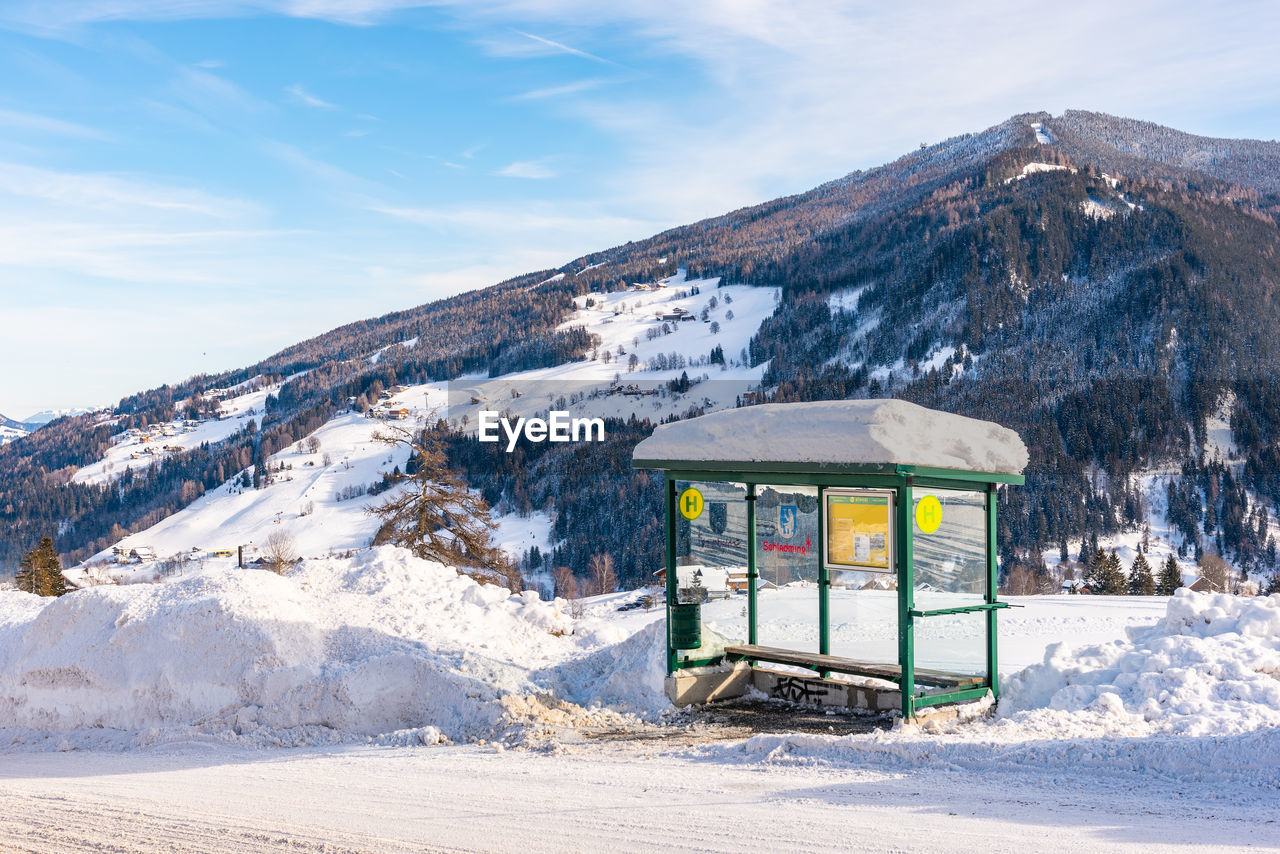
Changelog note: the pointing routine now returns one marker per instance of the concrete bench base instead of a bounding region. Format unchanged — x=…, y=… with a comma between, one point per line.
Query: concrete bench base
x=699, y=685
x=816, y=691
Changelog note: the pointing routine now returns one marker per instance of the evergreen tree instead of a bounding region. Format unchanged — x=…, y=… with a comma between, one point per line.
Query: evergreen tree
x=1141, y=581
x=1170, y=578
x=40, y=571
x=1274, y=585
x=26, y=578
x=1111, y=580
x=435, y=515
x=1092, y=575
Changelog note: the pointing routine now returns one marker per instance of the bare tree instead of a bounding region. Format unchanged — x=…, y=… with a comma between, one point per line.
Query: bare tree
x=567, y=588
x=281, y=551
x=566, y=583
x=602, y=574
x=1217, y=572
x=433, y=513
x=313, y=444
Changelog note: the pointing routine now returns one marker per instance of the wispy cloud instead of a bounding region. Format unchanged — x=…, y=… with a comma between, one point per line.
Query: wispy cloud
x=348, y=185
x=127, y=228
x=203, y=91
x=45, y=124
x=532, y=169
x=576, y=228
x=559, y=91
x=305, y=97
x=111, y=193
x=563, y=48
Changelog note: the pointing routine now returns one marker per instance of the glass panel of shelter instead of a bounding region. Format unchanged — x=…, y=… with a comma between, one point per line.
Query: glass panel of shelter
x=950, y=571
x=711, y=559
x=787, y=559
x=861, y=563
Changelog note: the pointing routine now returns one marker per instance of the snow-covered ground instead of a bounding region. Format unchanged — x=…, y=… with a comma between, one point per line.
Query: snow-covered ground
x=1034, y=168
x=637, y=796
x=319, y=498
x=303, y=499
x=345, y=648
x=427, y=712
x=8, y=434
x=623, y=322
x=140, y=448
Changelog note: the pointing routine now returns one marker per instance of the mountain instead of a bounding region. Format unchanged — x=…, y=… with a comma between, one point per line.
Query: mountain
x=1106, y=286
x=10, y=429
x=46, y=415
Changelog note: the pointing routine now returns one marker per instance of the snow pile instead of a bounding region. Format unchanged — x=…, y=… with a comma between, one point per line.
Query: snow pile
x=839, y=431
x=627, y=676
x=1211, y=667
x=340, y=650
x=1194, y=699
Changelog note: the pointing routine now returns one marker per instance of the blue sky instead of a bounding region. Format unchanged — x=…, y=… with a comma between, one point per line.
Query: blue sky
x=191, y=185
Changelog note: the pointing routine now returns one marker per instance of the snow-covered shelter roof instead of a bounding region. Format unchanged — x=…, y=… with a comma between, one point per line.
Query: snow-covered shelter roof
x=833, y=435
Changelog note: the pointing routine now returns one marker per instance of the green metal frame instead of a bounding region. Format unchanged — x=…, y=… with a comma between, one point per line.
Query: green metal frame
x=906, y=599
x=904, y=480
x=753, y=573
x=896, y=470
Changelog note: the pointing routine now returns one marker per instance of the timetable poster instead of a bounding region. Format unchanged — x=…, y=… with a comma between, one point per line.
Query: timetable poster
x=858, y=530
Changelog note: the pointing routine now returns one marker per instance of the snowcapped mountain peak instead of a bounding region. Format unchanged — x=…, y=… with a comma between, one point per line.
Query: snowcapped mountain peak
x=44, y=416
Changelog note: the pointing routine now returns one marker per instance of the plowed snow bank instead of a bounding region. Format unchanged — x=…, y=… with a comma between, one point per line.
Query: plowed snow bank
x=1197, y=697
x=338, y=650
x=1211, y=667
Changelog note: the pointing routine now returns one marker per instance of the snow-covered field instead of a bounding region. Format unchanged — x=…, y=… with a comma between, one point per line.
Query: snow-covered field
x=427, y=712
x=622, y=322
x=303, y=499
x=138, y=449
x=8, y=434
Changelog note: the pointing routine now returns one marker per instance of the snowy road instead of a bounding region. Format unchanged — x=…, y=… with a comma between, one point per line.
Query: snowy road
x=598, y=797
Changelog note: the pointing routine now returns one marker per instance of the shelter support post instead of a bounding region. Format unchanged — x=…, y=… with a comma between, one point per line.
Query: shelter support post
x=670, y=510
x=824, y=587
x=752, y=571
x=993, y=570
x=906, y=600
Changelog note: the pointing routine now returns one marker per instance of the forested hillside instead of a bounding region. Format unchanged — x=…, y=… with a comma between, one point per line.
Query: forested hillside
x=1105, y=286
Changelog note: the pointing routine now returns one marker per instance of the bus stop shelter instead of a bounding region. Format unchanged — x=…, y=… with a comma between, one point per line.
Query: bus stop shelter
x=842, y=552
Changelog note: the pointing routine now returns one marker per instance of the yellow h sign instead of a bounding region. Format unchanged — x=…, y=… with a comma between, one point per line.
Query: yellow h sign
x=928, y=514
x=690, y=503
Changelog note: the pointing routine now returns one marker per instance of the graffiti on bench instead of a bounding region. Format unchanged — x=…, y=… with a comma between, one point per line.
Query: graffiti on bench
x=797, y=690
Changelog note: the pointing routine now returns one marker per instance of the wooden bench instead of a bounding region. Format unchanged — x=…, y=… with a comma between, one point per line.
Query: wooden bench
x=850, y=666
